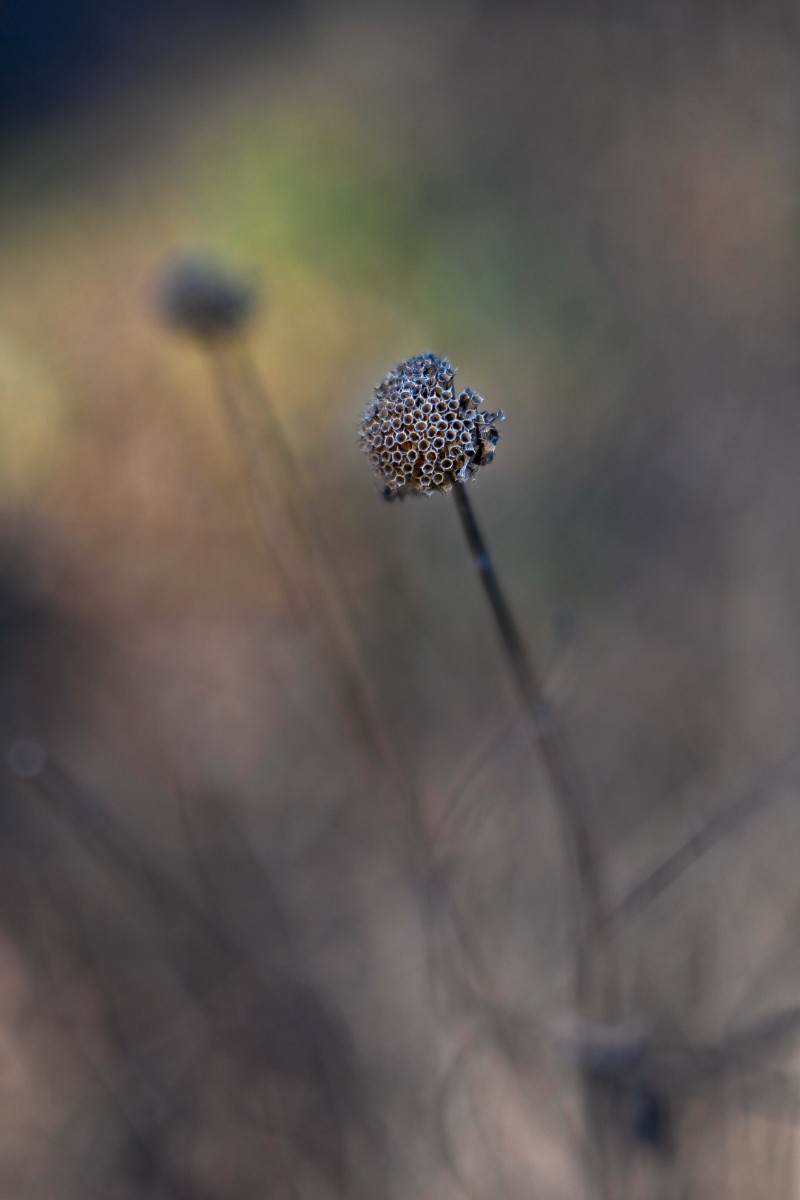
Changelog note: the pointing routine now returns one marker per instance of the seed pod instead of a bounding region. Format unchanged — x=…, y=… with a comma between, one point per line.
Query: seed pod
x=199, y=297
x=437, y=436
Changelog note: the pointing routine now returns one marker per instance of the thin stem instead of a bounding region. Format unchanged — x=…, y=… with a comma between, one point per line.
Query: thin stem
x=596, y=977
x=557, y=764
x=309, y=581
x=723, y=823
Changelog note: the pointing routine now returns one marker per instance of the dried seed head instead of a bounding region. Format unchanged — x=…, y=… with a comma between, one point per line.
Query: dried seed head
x=26, y=758
x=443, y=435
x=198, y=296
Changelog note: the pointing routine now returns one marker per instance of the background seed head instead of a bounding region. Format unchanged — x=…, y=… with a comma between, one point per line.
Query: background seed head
x=199, y=296
x=420, y=433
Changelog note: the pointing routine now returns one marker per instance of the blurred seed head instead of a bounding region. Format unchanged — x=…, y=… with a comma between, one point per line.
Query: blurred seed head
x=651, y=1117
x=615, y=1061
x=420, y=434
x=198, y=296
x=26, y=758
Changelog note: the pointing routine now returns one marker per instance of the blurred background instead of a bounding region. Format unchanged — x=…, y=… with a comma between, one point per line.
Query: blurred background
x=251, y=944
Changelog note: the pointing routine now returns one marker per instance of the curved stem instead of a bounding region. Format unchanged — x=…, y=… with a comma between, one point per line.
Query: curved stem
x=310, y=580
x=559, y=769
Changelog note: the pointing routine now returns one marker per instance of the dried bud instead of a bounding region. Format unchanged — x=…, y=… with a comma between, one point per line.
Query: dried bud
x=420, y=434
x=200, y=297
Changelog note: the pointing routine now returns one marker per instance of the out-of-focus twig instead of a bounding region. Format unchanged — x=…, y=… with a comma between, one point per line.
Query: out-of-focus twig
x=722, y=824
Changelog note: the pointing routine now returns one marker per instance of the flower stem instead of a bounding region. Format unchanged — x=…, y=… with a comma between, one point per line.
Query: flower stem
x=592, y=974
x=309, y=579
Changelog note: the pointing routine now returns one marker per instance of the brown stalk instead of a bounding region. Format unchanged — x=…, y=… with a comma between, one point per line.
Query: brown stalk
x=311, y=581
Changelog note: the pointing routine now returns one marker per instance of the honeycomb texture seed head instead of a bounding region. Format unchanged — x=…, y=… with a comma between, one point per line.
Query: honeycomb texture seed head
x=421, y=434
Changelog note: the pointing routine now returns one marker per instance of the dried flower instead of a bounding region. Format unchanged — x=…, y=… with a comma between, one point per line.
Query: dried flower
x=26, y=758
x=420, y=434
x=200, y=297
